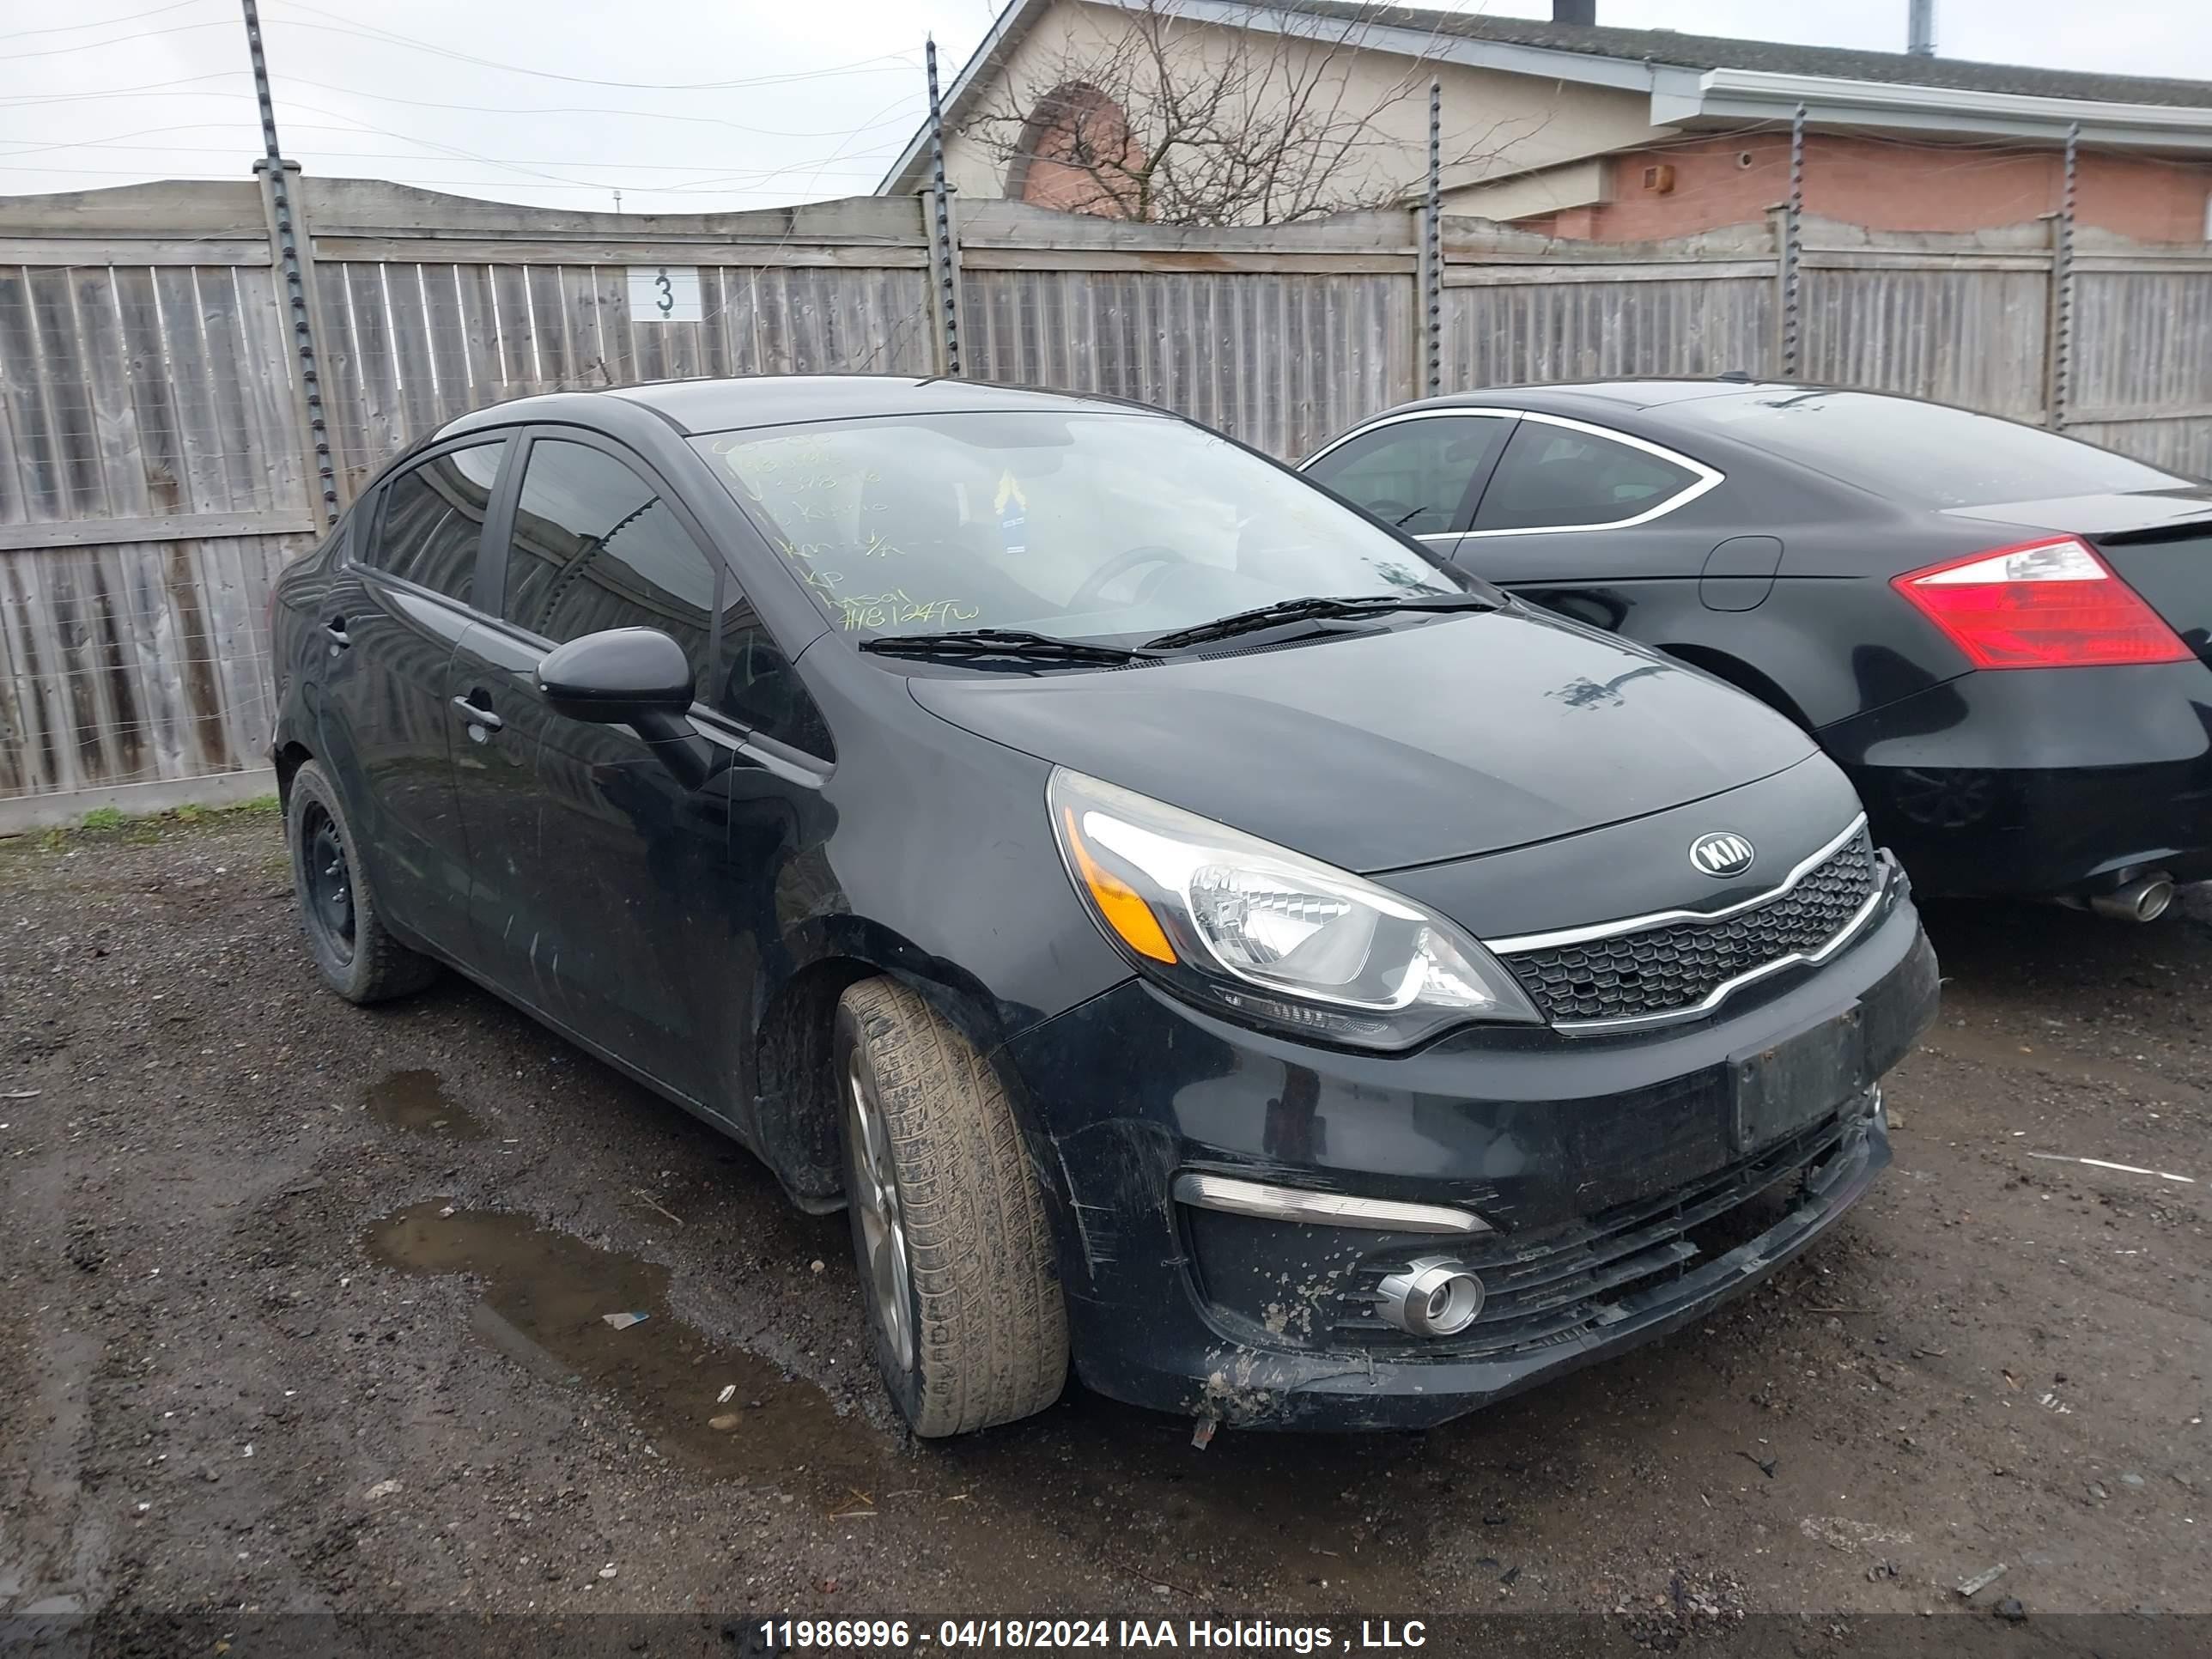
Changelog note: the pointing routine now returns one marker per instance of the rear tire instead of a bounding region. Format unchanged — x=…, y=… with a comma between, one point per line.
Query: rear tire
x=965, y=1315
x=355, y=953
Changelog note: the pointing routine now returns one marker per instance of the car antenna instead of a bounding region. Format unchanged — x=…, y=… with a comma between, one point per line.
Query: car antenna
x=1735, y=375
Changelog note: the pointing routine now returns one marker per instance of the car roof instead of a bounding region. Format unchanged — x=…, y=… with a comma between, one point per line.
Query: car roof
x=1594, y=396
x=699, y=406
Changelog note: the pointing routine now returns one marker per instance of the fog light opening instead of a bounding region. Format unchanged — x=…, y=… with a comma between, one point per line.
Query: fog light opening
x=1435, y=1296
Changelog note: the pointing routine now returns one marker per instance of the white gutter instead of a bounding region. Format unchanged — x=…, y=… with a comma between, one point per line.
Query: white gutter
x=1752, y=95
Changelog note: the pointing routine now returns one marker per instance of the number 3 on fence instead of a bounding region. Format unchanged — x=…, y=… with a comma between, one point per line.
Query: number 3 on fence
x=664, y=294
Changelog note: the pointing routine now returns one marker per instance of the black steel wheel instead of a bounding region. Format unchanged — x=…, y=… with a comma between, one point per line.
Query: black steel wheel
x=327, y=897
x=355, y=952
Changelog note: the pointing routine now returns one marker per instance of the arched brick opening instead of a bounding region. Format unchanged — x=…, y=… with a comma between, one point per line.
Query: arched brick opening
x=1077, y=154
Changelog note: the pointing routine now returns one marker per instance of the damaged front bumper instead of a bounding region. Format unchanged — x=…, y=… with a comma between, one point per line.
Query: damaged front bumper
x=1611, y=1190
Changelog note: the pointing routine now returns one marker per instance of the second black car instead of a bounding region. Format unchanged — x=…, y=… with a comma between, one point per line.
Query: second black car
x=2002, y=636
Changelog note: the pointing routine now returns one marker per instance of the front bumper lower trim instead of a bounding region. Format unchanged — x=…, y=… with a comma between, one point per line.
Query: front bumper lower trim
x=1272, y=1203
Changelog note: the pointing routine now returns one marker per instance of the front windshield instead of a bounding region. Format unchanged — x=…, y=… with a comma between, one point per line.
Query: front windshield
x=1080, y=525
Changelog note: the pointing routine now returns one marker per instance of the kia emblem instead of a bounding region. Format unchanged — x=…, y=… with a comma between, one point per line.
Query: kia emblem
x=1721, y=854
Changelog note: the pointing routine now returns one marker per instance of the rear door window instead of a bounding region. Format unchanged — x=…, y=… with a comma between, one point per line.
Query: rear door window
x=1553, y=477
x=1417, y=473
x=432, y=522
x=596, y=546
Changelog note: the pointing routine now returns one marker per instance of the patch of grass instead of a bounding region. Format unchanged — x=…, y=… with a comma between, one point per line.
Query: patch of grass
x=138, y=829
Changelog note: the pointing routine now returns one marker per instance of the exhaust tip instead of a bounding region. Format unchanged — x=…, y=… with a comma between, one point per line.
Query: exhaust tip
x=2144, y=899
x=1435, y=1296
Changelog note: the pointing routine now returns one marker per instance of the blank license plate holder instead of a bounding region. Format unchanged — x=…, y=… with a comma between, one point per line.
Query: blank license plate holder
x=1787, y=1086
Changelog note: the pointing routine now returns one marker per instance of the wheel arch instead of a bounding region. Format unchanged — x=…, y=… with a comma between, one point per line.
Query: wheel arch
x=288, y=757
x=794, y=1107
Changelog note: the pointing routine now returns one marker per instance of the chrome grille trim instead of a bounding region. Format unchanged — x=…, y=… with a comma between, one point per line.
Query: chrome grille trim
x=1520, y=943
x=1884, y=886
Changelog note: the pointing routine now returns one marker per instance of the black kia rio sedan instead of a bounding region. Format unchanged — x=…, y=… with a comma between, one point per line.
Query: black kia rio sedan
x=1184, y=925
x=2003, y=636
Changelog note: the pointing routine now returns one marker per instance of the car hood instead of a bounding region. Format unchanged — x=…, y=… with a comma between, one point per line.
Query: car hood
x=1443, y=739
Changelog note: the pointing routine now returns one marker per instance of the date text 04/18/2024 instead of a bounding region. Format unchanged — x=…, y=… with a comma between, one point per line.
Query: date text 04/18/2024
x=1110, y=1635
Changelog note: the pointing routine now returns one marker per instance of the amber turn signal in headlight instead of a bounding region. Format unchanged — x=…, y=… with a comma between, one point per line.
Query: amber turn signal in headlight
x=1229, y=919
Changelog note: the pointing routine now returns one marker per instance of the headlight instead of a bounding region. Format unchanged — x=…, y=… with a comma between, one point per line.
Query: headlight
x=1225, y=917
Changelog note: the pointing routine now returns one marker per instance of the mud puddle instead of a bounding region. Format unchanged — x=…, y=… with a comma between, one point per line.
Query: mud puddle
x=547, y=1298
x=1141, y=1492
x=416, y=1102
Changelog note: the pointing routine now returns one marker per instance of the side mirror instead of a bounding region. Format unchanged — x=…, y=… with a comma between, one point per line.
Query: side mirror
x=613, y=677
x=633, y=677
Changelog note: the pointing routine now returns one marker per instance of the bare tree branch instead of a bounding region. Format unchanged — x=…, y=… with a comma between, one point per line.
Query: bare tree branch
x=1158, y=116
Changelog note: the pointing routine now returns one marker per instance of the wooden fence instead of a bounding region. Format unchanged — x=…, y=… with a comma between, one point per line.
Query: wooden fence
x=154, y=456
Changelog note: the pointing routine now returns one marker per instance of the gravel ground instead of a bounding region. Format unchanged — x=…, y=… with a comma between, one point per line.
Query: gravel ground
x=299, y=1309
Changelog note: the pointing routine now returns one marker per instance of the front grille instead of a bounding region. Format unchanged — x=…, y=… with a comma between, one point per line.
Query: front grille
x=1554, y=1291
x=1663, y=970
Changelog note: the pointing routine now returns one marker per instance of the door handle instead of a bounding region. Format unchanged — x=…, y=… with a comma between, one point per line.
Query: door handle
x=478, y=716
x=335, y=629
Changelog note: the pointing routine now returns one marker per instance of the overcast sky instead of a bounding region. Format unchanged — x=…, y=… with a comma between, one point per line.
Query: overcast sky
x=696, y=105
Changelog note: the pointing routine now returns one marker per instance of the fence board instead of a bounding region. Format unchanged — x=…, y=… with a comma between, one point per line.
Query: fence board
x=134, y=661
x=99, y=322
x=1538, y=330
x=65, y=396
x=1280, y=361
x=2144, y=347
x=155, y=410
x=1976, y=337
x=37, y=495
x=2181, y=445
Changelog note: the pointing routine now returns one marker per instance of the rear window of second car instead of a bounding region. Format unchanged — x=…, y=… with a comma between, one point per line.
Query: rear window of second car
x=1923, y=454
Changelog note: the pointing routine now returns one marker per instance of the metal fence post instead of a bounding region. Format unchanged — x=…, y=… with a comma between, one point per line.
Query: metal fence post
x=303, y=427
x=2062, y=286
x=944, y=235
x=1433, y=252
x=1793, y=234
x=279, y=184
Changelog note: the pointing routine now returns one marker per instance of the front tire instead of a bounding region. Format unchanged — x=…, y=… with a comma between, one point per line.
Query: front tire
x=965, y=1315
x=354, y=951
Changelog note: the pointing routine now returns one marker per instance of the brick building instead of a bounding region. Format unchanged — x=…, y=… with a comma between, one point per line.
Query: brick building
x=1612, y=134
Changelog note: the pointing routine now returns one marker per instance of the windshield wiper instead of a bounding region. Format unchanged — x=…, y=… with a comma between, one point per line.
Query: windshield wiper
x=1289, y=610
x=1012, y=643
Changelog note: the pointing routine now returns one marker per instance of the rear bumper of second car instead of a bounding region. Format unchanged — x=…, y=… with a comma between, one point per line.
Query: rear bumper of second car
x=1613, y=1178
x=2040, y=783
